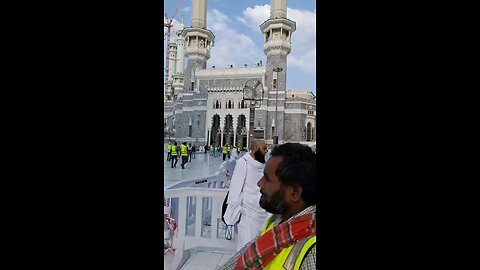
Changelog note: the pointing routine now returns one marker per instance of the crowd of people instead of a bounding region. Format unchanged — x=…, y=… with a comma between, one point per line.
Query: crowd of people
x=272, y=202
x=185, y=152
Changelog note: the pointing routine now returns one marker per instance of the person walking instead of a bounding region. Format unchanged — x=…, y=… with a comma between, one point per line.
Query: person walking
x=215, y=151
x=189, y=149
x=169, y=150
x=194, y=149
x=184, y=153
x=233, y=154
x=224, y=152
x=212, y=151
x=228, y=151
x=289, y=191
x=174, y=155
x=243, y=206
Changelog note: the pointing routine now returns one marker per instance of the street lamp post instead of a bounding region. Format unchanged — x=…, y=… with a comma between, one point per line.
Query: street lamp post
x=275, y=139
x=254, y=95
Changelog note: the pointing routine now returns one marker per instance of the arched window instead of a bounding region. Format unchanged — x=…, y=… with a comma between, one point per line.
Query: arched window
x=217, y=104
x=309, y=132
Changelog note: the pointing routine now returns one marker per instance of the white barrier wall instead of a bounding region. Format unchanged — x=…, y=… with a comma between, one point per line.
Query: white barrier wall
x=198, y=215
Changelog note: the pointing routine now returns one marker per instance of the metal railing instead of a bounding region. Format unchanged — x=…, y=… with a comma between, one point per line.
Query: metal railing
x=198, y=215
x=196, y=207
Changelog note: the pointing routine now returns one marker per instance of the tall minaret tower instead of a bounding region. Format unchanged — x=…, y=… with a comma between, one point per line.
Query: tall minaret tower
x=198, y=42
x=172, y=52
x=178, y=76
x=277, y=32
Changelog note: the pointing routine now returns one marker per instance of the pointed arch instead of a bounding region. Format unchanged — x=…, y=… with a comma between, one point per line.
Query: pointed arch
x=309, y=132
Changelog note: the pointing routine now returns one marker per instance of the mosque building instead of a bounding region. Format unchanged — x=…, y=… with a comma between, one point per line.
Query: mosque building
x=207, y=106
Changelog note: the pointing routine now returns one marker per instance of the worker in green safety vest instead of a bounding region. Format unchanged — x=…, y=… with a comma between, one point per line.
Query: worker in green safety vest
x=288, y=239
x=184, y=153
x=224, y=151
x=174, y=155
x=189, y=149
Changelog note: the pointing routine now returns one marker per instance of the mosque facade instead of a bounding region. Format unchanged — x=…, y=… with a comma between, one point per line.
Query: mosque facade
x=208, y=106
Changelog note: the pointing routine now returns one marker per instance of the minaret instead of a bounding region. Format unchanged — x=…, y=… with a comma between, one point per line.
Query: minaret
x=180, y=50
x=199, y=14
x=277, y=32
x=178, y=76
x=172, y=52
x=198, y=42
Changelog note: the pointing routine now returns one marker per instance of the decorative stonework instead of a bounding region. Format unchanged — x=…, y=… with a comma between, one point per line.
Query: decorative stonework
x=283, y=49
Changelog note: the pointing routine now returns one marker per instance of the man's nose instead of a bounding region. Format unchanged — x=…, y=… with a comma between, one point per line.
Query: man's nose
x=259, y=184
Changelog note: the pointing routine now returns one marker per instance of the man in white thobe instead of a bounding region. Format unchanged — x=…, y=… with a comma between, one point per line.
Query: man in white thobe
x=243, y=207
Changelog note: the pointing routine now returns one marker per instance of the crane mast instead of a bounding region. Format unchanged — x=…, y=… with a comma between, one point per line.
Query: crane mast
x=168, y=22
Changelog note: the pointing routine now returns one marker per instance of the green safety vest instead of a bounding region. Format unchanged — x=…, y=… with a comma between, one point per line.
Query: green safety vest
x=183, y=148
x=174, y=150
x=189, y=148
x=169, y=147
x=283, y=260
x=224, y=150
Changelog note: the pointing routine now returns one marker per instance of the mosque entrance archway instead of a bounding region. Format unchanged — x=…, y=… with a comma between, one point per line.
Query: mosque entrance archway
x=228, y=130
x=309, y=132
x=215, y=136
x=241, y=130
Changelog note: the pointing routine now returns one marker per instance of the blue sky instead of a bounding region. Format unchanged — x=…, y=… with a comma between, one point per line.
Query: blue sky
x=238, y=40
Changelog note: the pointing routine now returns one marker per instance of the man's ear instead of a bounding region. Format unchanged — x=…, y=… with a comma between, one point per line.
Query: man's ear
x=295, y=192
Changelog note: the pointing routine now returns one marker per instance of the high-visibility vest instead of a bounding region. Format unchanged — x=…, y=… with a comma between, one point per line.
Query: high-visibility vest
x=183, y=148
x=238, y=149
x=283, y=260
x=169, y=147
x=189, y=148
x=228, y=148
x=174, y=150
x=211, y=148
x=216, y=149
x=224, y=150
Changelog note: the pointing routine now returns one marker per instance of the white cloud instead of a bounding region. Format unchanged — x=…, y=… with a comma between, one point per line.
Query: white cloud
x=253, y=17
x=303, y=55
x=187, y=9
x=231, y=47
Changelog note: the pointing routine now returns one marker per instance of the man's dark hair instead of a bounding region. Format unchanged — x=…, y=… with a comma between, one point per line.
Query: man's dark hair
x=298, y=167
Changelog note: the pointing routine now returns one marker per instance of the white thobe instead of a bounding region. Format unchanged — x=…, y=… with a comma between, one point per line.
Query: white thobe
x=245, y=202
x=233, y=154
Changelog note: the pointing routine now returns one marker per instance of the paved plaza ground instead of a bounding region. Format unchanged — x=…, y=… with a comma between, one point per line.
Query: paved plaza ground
x=202, y=165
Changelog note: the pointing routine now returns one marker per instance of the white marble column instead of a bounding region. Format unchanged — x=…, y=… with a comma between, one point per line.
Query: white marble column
x=209, y=136
x=221, y=136
x=278, y=9
x=234, y=136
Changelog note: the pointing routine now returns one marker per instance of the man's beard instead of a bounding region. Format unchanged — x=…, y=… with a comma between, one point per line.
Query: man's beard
x=259, y=156
x=275, y=204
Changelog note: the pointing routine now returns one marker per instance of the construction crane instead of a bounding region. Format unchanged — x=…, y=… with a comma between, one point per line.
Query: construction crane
x=168, y=23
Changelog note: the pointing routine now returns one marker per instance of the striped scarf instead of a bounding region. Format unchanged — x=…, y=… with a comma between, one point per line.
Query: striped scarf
x=261, y=252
